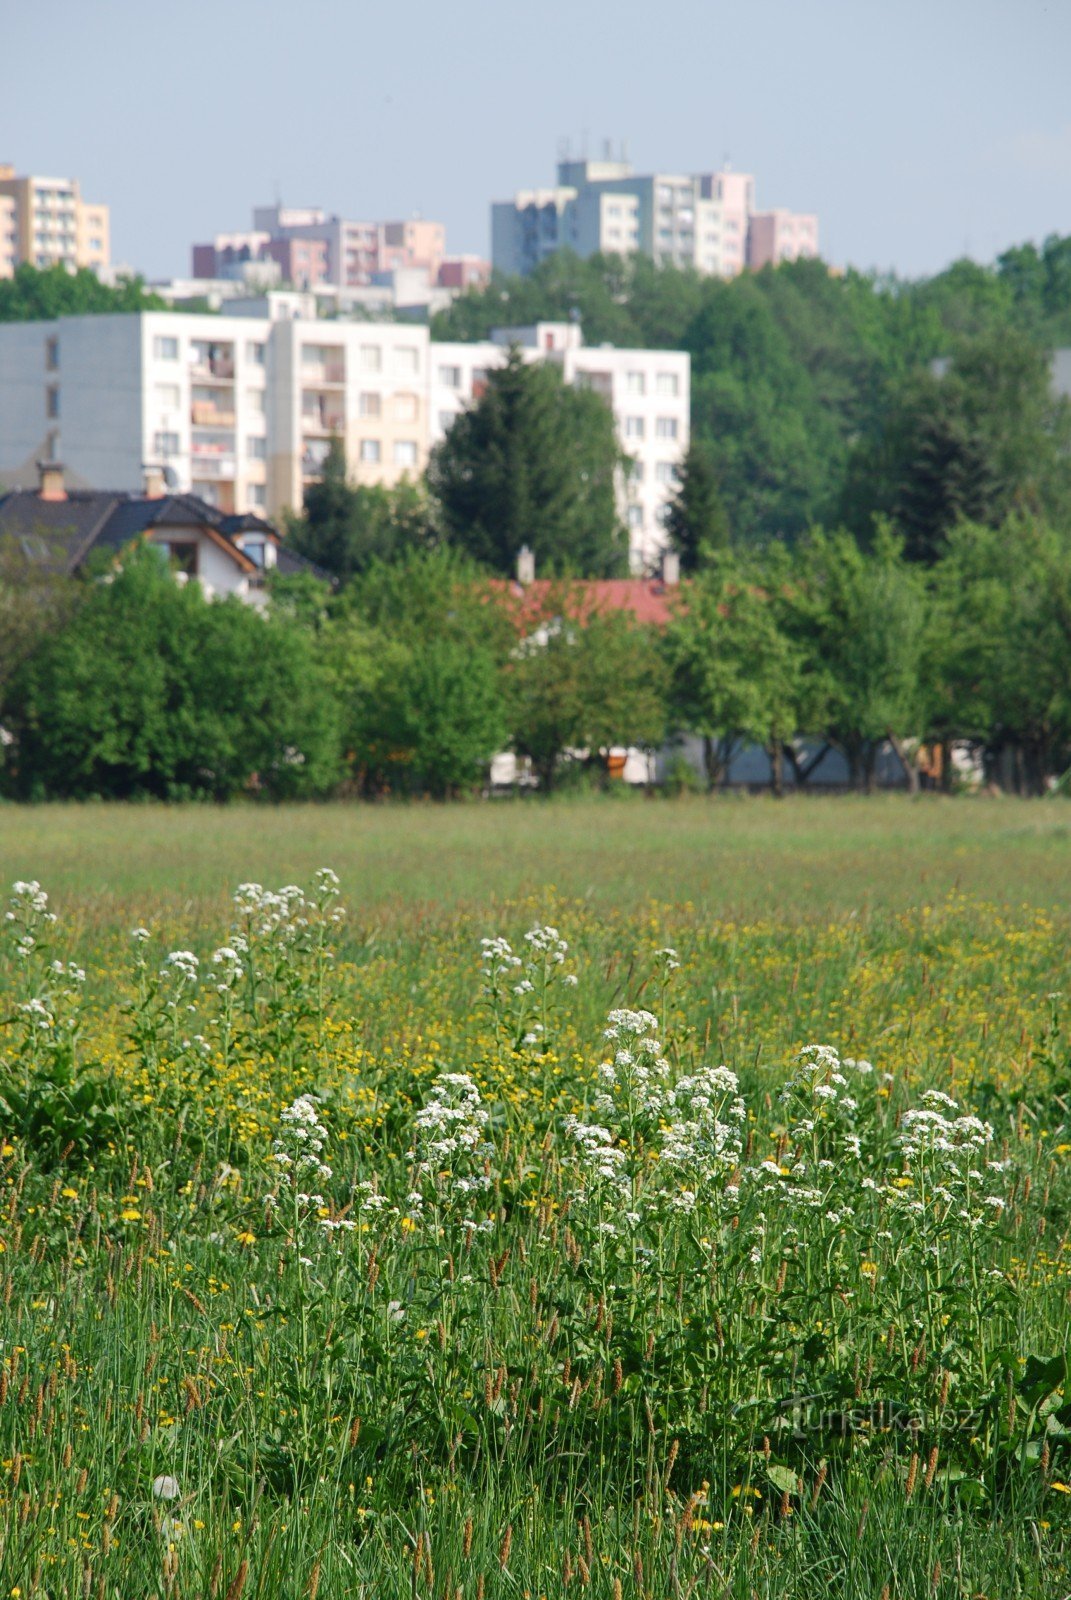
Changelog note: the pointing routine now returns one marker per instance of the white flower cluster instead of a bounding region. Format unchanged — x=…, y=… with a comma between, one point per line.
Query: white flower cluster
x=705, y=1135
x=301, y=1142
x=271, y=912
x=28, y=898
x=451, y=1134
x=182, y=965
x=635, y=1083
x=228, y=962
x=29, y=915
x=602, y=1161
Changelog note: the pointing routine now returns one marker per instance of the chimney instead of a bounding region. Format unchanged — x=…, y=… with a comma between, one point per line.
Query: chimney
x=671, y=567
x=525, y=566
x=153, y=482
x=50, y=480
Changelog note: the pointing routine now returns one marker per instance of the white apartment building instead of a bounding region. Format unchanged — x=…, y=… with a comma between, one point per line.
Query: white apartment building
x=701, y=221
x=649, y=392
x=240, y=409
x=45, y=221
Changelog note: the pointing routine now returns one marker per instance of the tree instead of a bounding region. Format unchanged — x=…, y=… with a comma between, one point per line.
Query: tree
x=36, y=600
x=414, y=650
x=863, y=614
x=734, y=671
x=582, y=681
x=153, y=690
x=977, y=441
x=696, y=521
x=345, y=527
x=999, y=660
x=533, y=462
x=35, y=295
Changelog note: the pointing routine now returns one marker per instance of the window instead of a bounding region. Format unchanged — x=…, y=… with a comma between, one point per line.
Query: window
x=371, y=358
x=635, y=516
x=405, y=407
x=52, y=401
x=450, y=377
x=665, y=472
x=369, y=405
x=254, y=399
x=168, y=396
x=635, y=383
x=258, y=495
x=51, y=354
x=256, y=447
x=666, y=428
x=312, y=355
x=370, y=451
x=255, y=353
x=182, y=555
x=165, y=444
x=406, y=359
x=405, y=453
x=254, y=549
x=164, y=348
x=667, y=383
x=634, y=428
x=447, y=420
x=635, y=472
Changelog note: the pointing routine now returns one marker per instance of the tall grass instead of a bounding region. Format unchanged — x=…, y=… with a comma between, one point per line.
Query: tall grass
x=342, y=1259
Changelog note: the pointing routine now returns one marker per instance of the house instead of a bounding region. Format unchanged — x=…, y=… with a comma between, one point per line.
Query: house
x=63, y=528
x=809, y=764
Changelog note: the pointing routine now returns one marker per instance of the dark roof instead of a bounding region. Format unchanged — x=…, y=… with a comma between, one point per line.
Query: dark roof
x=61, y=533
x=58, y=533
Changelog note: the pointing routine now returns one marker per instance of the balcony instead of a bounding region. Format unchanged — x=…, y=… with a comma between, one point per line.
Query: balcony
x=212, y=363
x=211, y=464
x=328, y=374
x=321, y=414
x=205, y=414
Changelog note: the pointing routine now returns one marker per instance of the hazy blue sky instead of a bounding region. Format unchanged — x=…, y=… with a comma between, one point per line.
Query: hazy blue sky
x=918, y=130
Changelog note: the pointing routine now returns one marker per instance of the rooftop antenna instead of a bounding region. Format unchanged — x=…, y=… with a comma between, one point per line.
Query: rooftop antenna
x=607, y=149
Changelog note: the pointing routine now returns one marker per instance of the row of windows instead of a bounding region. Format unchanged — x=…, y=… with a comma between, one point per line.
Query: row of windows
x=665, y=428
x=405, y=452
x=666, y=383
x=167, y=443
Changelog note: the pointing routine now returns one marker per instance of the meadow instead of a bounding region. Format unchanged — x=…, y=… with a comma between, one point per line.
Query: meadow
x=624, y=1199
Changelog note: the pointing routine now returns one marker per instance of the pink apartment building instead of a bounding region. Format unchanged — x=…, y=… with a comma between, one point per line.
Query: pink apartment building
x=312, y=248
x=775, y=236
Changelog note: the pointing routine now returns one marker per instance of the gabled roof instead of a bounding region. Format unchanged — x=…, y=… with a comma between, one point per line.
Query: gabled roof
x=58, y=533
x=648, y=600
x=62, y=533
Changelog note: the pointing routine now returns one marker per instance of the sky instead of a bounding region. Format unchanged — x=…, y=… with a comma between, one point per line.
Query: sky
x=918, y=130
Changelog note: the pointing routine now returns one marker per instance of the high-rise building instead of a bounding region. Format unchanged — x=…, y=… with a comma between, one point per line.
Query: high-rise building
x=777, y=236
x=241, y=408
x=45, y=221
x=700, y=221
x=312, y=248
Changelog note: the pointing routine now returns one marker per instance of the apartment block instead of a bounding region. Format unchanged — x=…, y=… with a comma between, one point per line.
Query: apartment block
x=241, y=408
x=45, y=221
x=777, y=236
x=313, y=248
x=700, y=221
x=648, y=391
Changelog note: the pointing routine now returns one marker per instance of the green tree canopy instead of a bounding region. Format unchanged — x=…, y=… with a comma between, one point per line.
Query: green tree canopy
x=153, y=690
x=696, y=520
x=346, y=527
x=582, y=682
x=533, y=462
x=34, y=294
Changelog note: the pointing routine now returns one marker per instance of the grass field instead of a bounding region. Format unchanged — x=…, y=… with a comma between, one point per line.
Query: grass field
x=509, y=1306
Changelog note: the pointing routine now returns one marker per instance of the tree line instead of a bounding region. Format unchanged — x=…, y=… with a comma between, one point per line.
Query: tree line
x=407, y=678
